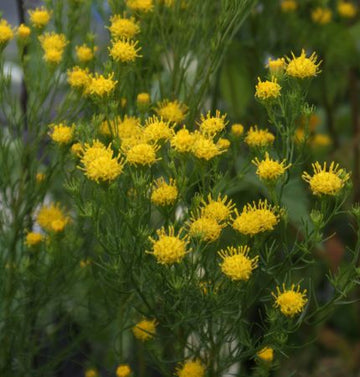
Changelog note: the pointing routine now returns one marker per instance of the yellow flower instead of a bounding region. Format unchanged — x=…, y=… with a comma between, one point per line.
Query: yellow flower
x=269, y=169
x=276, y=66
x=61, y=133
x=290, y=301
x=123, y=370
x=52, y=218
x=122, y=27
x=174, y=111
x=126, y=128
x=6, y=33
x=85, y=263
x=142, y=154
x=267, y=89
x=259, y=138
x=99, y=163
x=288, y=5
x=191, y=368
x=256, y=218
x=321, y=15
x=169, y=248
x=53, y=45
x=91, y=373
x=143, y=99
x=303, y=67
x=183, y=140
x=236, y=263
x=266, y=354
x=204, y=147
x=145, y=329
x=211, y=125
x=124, y=50
x=39, y=17
x=223, y=144
x=237, y=130
x=346, y=9
x=207, y=229
x=326, y=182
x=100, y=85
x=321, y=141
x=219, y=209
x=40, y=177
x=78, y=77
x=164, y=194
x=23, y=31
x=33, y=239
x=77, y=149
x=140, y=5
x=84, y=53
x=157, y=129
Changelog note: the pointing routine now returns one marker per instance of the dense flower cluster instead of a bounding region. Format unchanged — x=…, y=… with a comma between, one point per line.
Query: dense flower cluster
x=290, y=301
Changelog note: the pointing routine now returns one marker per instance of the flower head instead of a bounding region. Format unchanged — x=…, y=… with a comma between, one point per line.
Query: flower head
x=145, y=329
x=236, y=264
x=23, y=31
x=100, y=86
x=211, y=125
x=237, y=129
x=140, y=5
x=204, y=147
x=84, y=53
x=219, y=209
x=266, y=354
x=266, y=90
x=164, y=194
x=290, y=301
x=53, y=45
x=326, y=181
x=61, y=133
x=124, y=50
x=288, y=5
x=207, y=229
x=303, y=67
x=256, y=218
x=346, y=9
x=321, y=141
x=123, y=370
x=183, y=140
x=172, y=111
x=143, y=99
x=33, y=239
x=269, y=169
x=78, y=78
x=122, y=27
x=258, y=138
x=321, y=15
x=6, y=33
x=52, y=218
x=276, y=66
x=91, y=372
x=39, y=17
x=142, y=154
x=157, y=129
x=191, y=368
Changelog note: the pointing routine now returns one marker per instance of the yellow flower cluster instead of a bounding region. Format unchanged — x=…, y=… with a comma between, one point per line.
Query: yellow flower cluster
x=266, y=90
x=23, y=32
x=40, y=17
x=52, y=218
x=256, y=138
x=78, y=78
x=122, y=27
x=124, y=50
x=164, y=194
x=157, y=129
x=211, y=125
x=321, y=15
x=6, y=33
x=61, y=133
x=290, y=301
x=237, y=129
x=303, y=67
x=123, y=370
x=270, y=170
x=140, y=5
x=289, y=5
x=276, y=66
x=100, y=86
x=33, y=239
x=191, y=368
x=84, y=53
x=145, y=329
x=142, y=154
x=346, y=9
x=53, y=45
x=219, y=209
x=172, y=111
x=266, y=354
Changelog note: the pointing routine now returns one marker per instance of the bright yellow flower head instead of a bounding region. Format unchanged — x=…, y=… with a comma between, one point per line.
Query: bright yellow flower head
x=33, y=239
x=207, y=229
x=290, y=301
x=91, y=373
x=346, y=9
x=236, y=264
x=53, y=45
x=143, y=99
x=258, y=138
x=219, y=209
x=140, y=5
x=269, y=169
x=169, y=248
x=52, y=218
x=223, y=144
x=191, y=368
x=100, y=86
x=237, y=130
x=84, y=53
x=61, y=133
x=23, y=31
x=128, y=127
x=142, y=154
x=123, y=370
x=172, y=111
x=183, y=140
x=289, y=5
x=145, y=329
x=303, y=67
x=6, y=33
x=204, y=147
x=276, y=66
x=266, y=354
x=256, y=218
x=40, y=177
x=39, y=17
x=157, y=129
x=326, y=181
x=77, y=149
x=321, y=141
x=78, y=78
x=99, y=163
x=124, y=50
x=266, y=90
x=211, y=125
x=321, y=15
x=164, y=194
x=122, y=27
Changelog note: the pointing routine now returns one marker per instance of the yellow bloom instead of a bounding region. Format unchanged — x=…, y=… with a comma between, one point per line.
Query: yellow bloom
x=183, y=140
x=267, y=89
x=276, y=66
x=142, y=154
x=126, y=128
x=326, y=182
x=204, y=147
x=52, y=218
x=124, y=50
x=53, y=45
x=288, y=5
x=40, y=177
x=236, y=264
x=33, y=239
x=39, y=17
x=122, y=27
x=256, y=218
x=207, y=229
x=23, y=31
x=164, y=194
x=191, y=368
x=321, y=141
x=145, y=329
x=269, y=169
x=91, y=373
x=77, y=149
x=259, y=138
x=78, y=77
x=237, y=130
x=84, y=53
x=85, y=263
x=321, y=15
x=123, y=370
x=140, y=5
x=266, y=354
x=219, y=209
x=143, y=99
x=346, y=9
x=303, y=67
x=100, y=85
x=157, y=129
x=6, y=33
x=99, y=163
x=290, y=301
x=172, y=111
x=61, y=133
x=211, y=125
x=169, y=248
